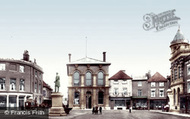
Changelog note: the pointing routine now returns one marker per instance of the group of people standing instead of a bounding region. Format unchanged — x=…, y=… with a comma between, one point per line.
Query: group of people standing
x=95, y=110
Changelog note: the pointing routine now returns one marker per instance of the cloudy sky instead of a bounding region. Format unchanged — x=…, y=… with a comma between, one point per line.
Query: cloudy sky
x=50, y=29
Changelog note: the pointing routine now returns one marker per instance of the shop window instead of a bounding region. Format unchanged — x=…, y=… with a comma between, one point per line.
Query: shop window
x=3, y=100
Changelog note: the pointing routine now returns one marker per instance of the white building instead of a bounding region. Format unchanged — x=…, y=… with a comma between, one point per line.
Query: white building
x=120, y=91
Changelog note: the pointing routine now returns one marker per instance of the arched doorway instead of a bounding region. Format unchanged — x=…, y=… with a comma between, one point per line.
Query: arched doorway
x=88, y=100
x=178, y=95
x=174, y=97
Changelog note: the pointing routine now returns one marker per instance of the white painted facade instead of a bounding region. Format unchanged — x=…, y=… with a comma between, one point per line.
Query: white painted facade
x=120, y=89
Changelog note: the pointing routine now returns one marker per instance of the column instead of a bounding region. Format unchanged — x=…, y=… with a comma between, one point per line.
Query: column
x=94, y=97
x=82, y=99
x=24, y=100
x=70, y=97
x=17, y=101
x=94, y=80
x=106, y=80
x=148, y=101
x=107, y=99
x=7, y=100
x=82, y=80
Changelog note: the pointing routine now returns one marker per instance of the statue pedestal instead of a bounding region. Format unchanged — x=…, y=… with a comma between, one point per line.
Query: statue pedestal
x=57, y=105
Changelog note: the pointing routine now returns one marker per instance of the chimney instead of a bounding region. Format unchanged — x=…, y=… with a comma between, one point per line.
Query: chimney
x=69, y=57
x=26, y=56
x=104, y=56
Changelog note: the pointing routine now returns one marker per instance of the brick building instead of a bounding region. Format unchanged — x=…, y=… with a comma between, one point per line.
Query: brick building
x=47, y=90
x=19, y=80
x=157, y=91
x=140, y=93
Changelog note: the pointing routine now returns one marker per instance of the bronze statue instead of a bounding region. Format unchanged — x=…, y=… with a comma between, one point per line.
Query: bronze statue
x=57, y=83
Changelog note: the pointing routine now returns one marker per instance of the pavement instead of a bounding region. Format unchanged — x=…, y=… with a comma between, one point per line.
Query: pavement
x=114, y=114
x=171, y=113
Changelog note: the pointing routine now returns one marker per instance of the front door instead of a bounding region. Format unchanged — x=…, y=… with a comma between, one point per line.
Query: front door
x=88, y=100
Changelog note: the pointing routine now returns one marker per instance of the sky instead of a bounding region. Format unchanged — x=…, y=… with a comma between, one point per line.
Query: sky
x=51, y=29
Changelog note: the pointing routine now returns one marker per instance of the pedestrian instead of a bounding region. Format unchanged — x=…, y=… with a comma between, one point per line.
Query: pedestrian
x=130, y=109
x=100, y=109
x=96, y=110
x=162, y=107
x=93, y=109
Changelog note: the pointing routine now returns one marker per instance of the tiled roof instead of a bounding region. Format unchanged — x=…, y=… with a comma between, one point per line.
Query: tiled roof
x=46, y=85
x=157, y=77
x=88, y=60
x=120, y=75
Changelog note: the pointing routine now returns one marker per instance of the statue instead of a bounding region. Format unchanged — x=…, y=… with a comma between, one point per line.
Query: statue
x=57, y=83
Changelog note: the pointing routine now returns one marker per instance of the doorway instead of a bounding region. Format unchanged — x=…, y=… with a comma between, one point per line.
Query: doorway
x=88, y=100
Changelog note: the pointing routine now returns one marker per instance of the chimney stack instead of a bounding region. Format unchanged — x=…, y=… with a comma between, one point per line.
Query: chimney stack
x=69, y=57
x=26, y=56
x=104, y=56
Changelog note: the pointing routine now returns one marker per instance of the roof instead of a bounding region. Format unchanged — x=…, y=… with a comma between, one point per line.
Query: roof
x=157, y=77
x=179, y=38
x=88, y=60
x=46, y=85
x=120, y=75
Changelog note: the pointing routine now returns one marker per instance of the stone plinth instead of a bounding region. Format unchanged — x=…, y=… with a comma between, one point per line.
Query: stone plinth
x=57, y=105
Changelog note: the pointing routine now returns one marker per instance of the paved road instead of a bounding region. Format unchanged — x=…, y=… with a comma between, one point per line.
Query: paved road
x=107, y=114
x=120, y=114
